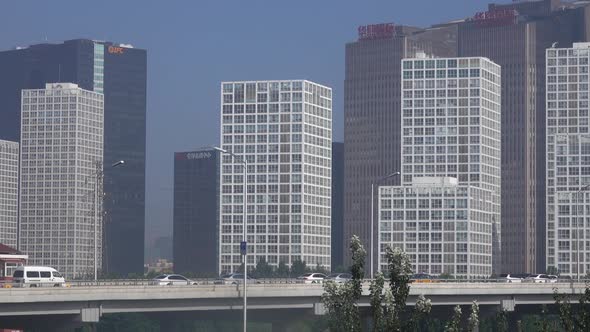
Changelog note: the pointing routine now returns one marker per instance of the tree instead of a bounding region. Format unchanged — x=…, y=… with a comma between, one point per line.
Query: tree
x=377, y=300
x=421, y=310
x=454, y=325
x=502, y=321
x=552, y=270
x=298, y=268
x=282, y=270
x=544, y=323
x=263, y=269
x=340, y=300
x=565, y=311
x=473, y=320
x=400, y=270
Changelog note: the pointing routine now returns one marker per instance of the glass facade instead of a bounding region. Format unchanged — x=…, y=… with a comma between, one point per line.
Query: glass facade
x=284, y=131
x=451, y=128
x=61, y=151
x=568, y=159
x=9, y=157
x=120, y=72
x=196, y=206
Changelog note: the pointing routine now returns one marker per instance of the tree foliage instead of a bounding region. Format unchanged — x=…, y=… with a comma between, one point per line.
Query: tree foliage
x=298, y=268
x=340, y=300
x=502, y=321
x=473, y=320
x=574, y=320
x=454, y=325
x=377, y=300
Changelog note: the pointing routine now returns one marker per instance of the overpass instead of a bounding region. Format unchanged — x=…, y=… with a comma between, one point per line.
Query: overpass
x=88, y=303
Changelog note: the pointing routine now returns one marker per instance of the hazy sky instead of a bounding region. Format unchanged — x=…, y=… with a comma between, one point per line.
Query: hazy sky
x=194, y=45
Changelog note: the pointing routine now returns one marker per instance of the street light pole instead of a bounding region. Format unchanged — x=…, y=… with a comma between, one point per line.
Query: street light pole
x=98, y=175
x=244, y=234
x=373, y=212
x=578, y=231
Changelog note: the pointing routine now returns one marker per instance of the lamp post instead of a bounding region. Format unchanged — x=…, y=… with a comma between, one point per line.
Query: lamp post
x=98, y=175
x=244, y=238
x=373, y=212
x=578, y=231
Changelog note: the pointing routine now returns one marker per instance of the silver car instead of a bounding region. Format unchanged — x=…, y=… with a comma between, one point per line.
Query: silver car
x=339, y=277
x=171, y=280
x=233, y=279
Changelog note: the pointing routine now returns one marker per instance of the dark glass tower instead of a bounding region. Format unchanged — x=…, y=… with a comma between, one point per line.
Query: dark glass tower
x=337, y=204
x=196, y=206
x=120, y=72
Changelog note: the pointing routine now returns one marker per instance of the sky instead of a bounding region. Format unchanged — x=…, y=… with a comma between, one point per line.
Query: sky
x=194, y=45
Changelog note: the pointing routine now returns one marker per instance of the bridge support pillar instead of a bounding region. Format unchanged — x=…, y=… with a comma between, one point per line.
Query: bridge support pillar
x=89, y=315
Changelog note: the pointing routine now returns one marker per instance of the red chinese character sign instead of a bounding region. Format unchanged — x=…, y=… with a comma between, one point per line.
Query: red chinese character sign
x=497, y=17
x=376, y=31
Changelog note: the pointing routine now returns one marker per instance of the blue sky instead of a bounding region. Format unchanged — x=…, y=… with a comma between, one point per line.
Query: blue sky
x=194, y=45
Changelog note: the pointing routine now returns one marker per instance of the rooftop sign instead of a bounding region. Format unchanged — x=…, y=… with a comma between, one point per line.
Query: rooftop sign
x=497, y=17
x=376, y=31
x=193, y=155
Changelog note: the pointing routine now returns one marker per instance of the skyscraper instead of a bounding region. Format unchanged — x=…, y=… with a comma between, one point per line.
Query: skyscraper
x=337, y=204
x=9, y=157
x=284, y=131
x=119, y=72
x=515, y=36
x=372, y=112
x=568, y=159
x=61, y=147
x=196, y=211
x=446, y=214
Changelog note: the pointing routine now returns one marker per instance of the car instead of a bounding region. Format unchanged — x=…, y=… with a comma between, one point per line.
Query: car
x=552, y=278
x=233, y=279
x=421, y=278
x=538, y=278
x=171, y=280
x=311, y=278
x=512, y=277
x=37, y=276
x=339, y=277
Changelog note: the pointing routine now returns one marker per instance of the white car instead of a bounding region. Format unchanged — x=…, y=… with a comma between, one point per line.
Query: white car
x=539, y=278
x=552, y=278
x=311, y=278
x=37, y=276
x=171, y=280
x=514, y=277
x=234, y=279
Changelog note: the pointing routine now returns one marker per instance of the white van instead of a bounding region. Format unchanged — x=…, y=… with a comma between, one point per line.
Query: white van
x=37, y=276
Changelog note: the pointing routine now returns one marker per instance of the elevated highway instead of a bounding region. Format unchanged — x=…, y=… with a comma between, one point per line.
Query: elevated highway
x=89, y=303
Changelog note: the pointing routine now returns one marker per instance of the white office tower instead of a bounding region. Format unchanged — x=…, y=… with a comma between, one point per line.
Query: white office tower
x=446, y=213
x=8, y=193
x=284, y=129
x=568, y=160
x=61, y=150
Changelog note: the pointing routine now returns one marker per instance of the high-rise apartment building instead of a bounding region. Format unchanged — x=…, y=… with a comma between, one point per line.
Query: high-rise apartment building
x=196, y=211
x=568, y=159
x=338, y=204
x=283, y=129
x=515, y=36
x=372, y=113
x=9, y=156
x=119, y=72
x=61, y=153
x=446, y=214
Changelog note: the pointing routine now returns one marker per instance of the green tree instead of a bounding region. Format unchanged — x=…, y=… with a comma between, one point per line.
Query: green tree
x=502, y=321
x=400, y=270
x=473, y=320
x=565, y=311
x=544, y=322
x=421, y=311
x=583, y=317
x=282, y=270
x=298, y=268
x=377, y=300
x=263, y=269
x=454, y=325
x=340, y=300
x=552, y=270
